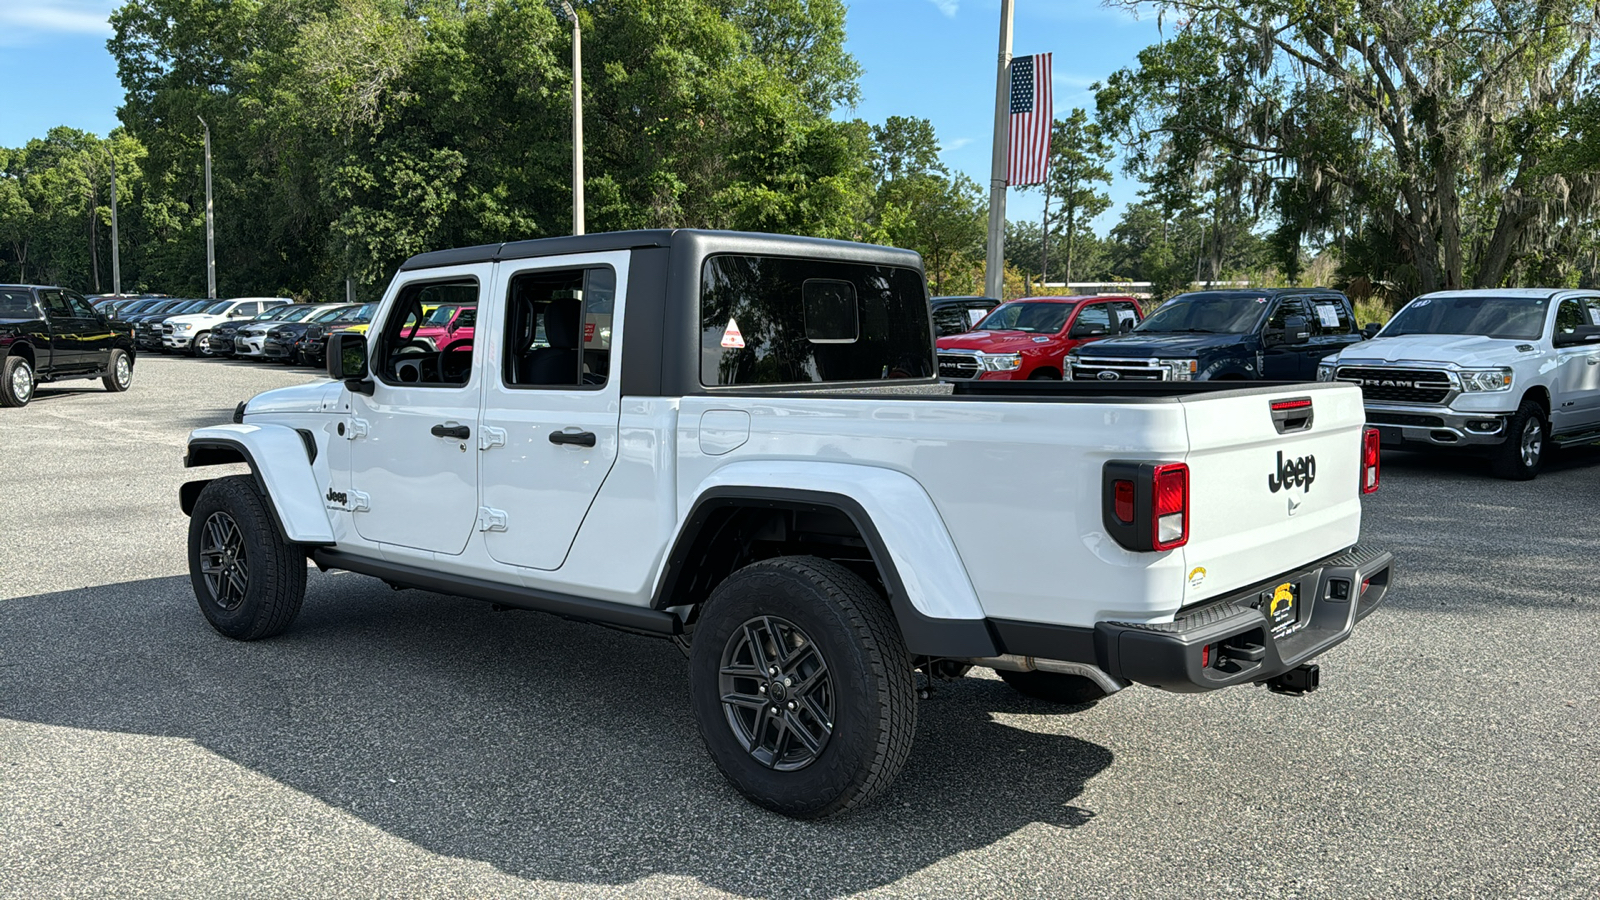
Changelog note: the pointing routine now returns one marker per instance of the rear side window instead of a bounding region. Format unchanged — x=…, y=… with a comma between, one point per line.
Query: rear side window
x=771, y=320
x=16, y=303
x=1329, y=316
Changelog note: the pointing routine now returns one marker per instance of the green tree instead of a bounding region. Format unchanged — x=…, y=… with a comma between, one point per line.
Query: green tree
x=1421, y=122
x=1079, y=156
x=920, y=206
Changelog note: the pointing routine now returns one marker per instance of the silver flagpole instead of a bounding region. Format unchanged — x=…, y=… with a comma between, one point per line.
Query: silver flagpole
x=994, y=271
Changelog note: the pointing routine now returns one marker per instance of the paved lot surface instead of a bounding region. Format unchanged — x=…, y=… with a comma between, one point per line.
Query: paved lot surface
x=407, y=744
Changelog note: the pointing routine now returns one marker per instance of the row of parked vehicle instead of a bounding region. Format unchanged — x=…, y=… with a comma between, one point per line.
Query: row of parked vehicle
x=1498, y=372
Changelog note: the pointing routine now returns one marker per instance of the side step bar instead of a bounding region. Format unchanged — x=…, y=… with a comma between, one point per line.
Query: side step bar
x=616, y=615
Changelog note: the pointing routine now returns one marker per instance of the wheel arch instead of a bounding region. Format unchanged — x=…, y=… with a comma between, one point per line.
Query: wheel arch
x=1539, y=394
x=25, y=350
x=730, y=525
x=289, y=484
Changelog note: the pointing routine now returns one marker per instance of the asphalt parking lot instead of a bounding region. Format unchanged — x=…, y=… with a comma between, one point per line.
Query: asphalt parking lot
x=408, y=744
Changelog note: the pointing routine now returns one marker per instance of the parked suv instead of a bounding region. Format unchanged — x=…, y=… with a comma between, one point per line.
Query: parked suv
x=51, y=334
x=753, y=456
x=147, y=323
x=249, y=342
x=1277, y=335
x=1500, y=372
x=1028, y=338
x=220, y=341
x=189, y=332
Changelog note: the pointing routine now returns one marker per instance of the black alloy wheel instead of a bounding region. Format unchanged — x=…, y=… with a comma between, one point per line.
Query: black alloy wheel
x=224, y=563
x=777, y=693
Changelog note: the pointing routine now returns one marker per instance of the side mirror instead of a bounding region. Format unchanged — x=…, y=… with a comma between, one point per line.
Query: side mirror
x=1085, y=330
x=1296, y=330
x=1583, y=334
x=347, y=361
x=1371, y=331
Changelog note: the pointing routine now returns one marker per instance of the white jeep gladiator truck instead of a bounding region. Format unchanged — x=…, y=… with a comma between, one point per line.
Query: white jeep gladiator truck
x=739, y=441
x=1499, y=372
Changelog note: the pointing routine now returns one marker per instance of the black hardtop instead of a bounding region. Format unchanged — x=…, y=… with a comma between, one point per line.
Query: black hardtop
x=699, y=242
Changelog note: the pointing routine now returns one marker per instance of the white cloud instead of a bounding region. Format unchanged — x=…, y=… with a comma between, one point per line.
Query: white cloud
x=37, y=17
x=956, y=144
x=948, y=7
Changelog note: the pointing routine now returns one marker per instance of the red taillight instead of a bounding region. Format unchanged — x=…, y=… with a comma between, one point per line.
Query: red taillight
x=1369, y=460
x=1282, y=405
x=1122, y=501
x=1170, y=506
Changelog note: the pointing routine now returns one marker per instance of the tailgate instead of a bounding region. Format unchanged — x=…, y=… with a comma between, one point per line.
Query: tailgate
x=1261, y=501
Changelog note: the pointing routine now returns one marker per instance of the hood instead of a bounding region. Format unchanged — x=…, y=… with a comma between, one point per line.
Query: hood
x=320, y=396
x=994, y=341
x=194, y=318
x=1156, y=344
x=1462, y=349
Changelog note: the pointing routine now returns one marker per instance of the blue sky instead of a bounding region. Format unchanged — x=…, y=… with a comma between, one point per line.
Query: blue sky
x=933, y=59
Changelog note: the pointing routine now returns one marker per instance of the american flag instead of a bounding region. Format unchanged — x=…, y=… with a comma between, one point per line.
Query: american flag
x=1031, y=115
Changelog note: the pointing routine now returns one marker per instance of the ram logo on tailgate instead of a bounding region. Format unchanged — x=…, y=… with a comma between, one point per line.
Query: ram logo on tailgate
x=1293, y=472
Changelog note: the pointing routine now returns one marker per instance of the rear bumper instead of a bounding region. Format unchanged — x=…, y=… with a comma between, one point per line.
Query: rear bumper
x=1224, y=642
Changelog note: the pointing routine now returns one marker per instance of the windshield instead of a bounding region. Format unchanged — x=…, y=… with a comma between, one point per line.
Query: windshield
x=441, y=316
x=299, y=313
x=221, y=306
x=1038, y=318
x=189, y=306
x=1496, y=317
x=135, y=306
x=268, y=315
x=1207, y=313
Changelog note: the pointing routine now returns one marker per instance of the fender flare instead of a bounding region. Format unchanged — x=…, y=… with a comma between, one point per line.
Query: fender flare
x=932, y=597
x=288, y=484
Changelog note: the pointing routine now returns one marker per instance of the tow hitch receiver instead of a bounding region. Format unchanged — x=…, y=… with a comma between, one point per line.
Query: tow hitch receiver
x=1300, y=680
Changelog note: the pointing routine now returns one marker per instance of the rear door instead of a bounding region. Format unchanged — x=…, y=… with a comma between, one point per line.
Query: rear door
x=552, y=403
x=95, y=338
x=1263, y=501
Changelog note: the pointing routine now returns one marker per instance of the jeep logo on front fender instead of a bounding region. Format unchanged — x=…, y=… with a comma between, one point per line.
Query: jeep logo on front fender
x=341, y=498
x=1292, y=473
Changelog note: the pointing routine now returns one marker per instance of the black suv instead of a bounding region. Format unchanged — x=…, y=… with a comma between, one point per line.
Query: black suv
x=1276, y=334
x=51, y=334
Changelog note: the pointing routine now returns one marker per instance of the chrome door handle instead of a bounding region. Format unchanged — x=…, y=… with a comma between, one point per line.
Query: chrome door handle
x=458, y=432
x=580, y=438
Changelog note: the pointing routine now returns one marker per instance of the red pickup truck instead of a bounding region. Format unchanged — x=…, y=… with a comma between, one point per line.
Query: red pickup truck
x=1029, y=338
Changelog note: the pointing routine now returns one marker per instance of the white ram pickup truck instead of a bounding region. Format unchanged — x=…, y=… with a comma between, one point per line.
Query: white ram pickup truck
x=188, y=333
x=1500, y=372
x=739, y=441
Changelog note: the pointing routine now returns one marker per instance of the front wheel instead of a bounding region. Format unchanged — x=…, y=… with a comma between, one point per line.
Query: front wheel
x=16, y=382
x=249, y=581
x=801, y=686
x=119, y=375
x=201, y=345
x=1519, y=457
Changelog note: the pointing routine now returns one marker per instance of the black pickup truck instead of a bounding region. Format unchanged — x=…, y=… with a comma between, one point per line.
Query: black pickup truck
x=51, y=334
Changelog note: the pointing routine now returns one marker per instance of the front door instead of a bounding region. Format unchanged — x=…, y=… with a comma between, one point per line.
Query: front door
x=413, y=450
x=1283, y=357
x=551, y=410
x=67, y=339
x=1577, y=406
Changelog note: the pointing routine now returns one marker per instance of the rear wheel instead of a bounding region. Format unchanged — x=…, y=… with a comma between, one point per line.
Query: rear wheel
x=16, y=382
x=119, y=375
x=1053, y=686
x=249, y=581
x=801, y=686
x=1526, y=441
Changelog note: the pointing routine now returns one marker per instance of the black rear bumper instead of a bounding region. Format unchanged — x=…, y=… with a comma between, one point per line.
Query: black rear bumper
x=1226, y=641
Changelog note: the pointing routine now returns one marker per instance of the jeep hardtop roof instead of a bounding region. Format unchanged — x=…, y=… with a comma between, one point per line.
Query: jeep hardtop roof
x=699, y=241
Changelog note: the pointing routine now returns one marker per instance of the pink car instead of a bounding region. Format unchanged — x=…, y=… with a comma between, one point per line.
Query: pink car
x=449, y=327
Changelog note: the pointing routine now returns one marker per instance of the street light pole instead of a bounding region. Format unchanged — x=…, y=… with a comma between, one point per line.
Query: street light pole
x=577, y=118
x=116, y=255
x=994, y=270
x=211, y=244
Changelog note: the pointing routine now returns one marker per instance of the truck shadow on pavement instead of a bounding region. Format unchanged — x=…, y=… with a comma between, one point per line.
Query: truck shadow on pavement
x=548, y=749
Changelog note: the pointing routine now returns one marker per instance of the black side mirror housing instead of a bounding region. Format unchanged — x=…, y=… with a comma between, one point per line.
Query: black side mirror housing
x=1583, y=334
x=347, y=361
x=1085, y=331
x=1296, y=330
x=1371, y=331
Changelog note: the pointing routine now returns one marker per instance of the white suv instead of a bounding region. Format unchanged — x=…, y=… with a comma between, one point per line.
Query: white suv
x=188, y=332
x=1498, y=371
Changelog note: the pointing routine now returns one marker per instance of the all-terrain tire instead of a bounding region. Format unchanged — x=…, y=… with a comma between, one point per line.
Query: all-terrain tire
x=248, y=580
x=1527, y=442
x=870, y=686
x=1053, y=686
x=119, y=374
x=17, y=382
